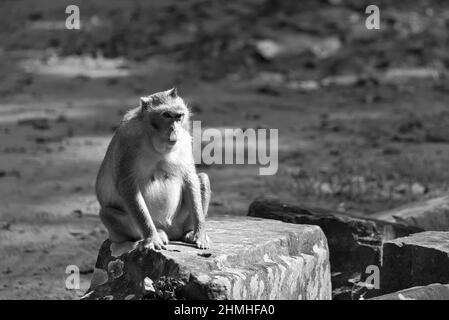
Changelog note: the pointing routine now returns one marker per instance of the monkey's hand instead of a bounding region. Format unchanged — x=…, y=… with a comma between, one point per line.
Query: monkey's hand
x=153, y=242
x=199, y=238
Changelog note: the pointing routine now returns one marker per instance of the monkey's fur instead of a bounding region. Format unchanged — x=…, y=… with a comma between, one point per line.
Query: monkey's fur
x=147, y=185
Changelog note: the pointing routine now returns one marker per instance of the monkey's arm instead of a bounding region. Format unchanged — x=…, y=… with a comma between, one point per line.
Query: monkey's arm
x=193, y=197
x=136, y=207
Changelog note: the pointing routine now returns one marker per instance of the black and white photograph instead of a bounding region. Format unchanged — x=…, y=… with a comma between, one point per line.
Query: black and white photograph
x=224, y=155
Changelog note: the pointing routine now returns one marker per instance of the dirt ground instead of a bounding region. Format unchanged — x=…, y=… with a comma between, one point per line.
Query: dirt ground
x=362, y=114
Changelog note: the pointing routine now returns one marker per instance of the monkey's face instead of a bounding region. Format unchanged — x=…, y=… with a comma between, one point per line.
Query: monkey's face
x=169, y=129
x=167, y=115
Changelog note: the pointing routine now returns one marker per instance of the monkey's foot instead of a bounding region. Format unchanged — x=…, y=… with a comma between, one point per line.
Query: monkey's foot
x=200, y=239
x=163, y=236
x=154, y=243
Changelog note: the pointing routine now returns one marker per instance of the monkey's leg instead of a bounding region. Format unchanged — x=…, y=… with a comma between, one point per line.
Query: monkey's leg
x=189, y=235
x=119, y=224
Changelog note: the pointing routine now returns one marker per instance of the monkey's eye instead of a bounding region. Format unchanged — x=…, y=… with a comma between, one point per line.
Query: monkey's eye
x=179, y=117
x=166, y=115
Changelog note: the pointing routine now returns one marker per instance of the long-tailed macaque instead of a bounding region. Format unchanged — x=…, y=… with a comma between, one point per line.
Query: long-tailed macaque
x=147, y=185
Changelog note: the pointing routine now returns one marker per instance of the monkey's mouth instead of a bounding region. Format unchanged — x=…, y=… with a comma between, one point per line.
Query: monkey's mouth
x=172, y=138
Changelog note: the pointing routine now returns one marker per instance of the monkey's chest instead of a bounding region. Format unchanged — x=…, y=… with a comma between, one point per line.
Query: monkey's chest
x=163, y=197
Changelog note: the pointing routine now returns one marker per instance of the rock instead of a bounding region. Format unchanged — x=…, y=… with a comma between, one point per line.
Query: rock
x=434, y=291
x=416, y=260
x=325, y=188
x=406, y=74
x=430, y=215
x=391, y=76
x=268, y=49
x=418, y=189
x=354, y=243
x=303, y=86
x=293, y=44
x=35, y=123
x=403, y=188
x=250, y=258
x=341, y=80
x=278, y=81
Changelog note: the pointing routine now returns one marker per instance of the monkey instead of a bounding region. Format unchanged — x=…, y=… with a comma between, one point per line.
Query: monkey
x=147, y=185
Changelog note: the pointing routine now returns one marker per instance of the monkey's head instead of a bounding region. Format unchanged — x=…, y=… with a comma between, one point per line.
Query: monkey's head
x=166, y=117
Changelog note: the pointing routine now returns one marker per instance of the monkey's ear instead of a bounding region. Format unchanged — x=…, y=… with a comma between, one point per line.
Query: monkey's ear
x=145, y=102
x=173, y=93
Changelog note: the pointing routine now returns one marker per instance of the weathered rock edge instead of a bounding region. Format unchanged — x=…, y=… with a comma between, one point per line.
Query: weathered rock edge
x=435, y=291
x=354, y=242
x=250, y=258
x=430, y=215
x=417, y=260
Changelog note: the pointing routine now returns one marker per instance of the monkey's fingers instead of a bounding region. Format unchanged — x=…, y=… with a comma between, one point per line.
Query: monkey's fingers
x=202, y=246
x=203, y=242
x=160, y=246
x=153, y=244
x=163, y=236
x=200, y=240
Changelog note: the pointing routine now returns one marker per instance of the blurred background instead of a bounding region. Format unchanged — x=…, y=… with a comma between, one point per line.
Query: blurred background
x=362, y=114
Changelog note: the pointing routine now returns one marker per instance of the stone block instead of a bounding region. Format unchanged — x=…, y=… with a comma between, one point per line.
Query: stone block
x=250, y=258
x=429, y=215
x=434, y=291
x=354, y=242
x=417, y=260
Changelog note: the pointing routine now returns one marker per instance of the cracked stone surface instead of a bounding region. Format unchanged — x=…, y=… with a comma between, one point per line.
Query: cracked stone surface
x=250, y=258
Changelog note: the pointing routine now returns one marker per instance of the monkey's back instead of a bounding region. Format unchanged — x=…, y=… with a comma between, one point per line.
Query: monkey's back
x=105, y=185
